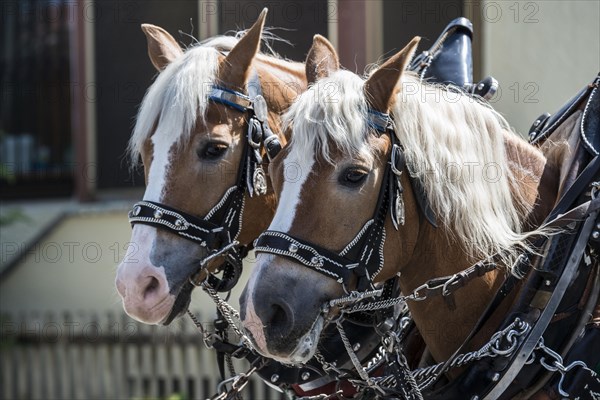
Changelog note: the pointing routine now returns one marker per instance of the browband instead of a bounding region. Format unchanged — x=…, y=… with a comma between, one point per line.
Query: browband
x=230, y=98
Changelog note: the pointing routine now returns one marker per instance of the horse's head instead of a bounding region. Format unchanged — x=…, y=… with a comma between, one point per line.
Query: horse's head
x=364, y=193
x=338, y=157
x=192, y=137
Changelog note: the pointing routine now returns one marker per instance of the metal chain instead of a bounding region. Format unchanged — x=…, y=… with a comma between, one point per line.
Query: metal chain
x=354, y=297
x=229, y=313
x=353, y=357
x=205, y=334
x=553, y=362
x=238, y=383
x=439, y=286
x=502, y=343
x=232, y=316
x=327, y=366
x=321, y=396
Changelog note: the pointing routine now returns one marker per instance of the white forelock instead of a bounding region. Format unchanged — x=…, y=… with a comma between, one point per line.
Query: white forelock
x=178, y=98
x=333, y=111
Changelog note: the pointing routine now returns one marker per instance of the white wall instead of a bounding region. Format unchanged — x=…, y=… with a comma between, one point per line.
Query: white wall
x=541, y=52
x=73, y=269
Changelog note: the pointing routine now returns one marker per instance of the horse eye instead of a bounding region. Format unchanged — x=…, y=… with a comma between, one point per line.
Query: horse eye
x=212, y=151
x=353, y=177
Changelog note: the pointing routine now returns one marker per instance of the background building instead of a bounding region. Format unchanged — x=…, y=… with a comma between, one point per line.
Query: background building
x=72, y=74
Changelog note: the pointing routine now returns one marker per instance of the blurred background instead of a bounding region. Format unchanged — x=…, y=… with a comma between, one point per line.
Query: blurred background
x=72, y=76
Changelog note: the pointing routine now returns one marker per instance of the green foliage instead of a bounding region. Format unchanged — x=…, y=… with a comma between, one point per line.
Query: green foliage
x=13, y=216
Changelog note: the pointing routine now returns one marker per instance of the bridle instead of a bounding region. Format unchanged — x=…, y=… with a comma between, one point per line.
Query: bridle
x=362, y=258
x=218, y=230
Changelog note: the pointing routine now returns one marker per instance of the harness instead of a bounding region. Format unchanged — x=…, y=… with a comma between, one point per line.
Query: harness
x=355, y=266
x=523, y=343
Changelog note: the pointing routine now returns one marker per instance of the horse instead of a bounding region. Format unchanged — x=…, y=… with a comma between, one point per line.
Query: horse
x=202, y=138
x=440, y=185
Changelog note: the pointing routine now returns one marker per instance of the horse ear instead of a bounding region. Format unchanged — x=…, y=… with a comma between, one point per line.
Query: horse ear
x=234, y=69
x=322, y=59
x=162, y=48
x=380, y=86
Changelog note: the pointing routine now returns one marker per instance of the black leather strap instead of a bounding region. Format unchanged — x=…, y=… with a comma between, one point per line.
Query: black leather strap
x=550, y=124
x=201, y=231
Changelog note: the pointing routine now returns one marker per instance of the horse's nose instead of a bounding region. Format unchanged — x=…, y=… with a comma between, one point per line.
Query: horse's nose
x=144, y=290
x=276, y=313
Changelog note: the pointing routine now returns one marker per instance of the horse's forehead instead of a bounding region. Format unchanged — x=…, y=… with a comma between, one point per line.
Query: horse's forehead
x=296, y=170
x=163, y=144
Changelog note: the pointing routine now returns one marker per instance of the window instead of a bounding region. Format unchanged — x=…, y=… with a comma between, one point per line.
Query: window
x=36, y=152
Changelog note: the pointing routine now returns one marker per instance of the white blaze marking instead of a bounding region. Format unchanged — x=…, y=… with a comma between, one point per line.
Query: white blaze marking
x=143, y=236
x=295, y=172
x=162, y=141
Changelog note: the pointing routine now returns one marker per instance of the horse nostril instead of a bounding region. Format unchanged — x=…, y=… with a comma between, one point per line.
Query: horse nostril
x=152, y=286
x=280, y=320
x=279, y=316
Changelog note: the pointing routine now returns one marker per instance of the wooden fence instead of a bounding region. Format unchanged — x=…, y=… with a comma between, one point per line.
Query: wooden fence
x=83, y=356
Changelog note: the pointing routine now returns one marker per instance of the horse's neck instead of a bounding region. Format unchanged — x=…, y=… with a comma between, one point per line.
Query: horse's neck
x=536, y=178
x=437, y=253
x=442, y=326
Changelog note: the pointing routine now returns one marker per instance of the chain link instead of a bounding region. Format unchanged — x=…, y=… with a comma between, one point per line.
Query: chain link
x=238, y=383
x=353, y=357
x=553, y=362
x=503, y=343
x=229, y=313
x=595, y=189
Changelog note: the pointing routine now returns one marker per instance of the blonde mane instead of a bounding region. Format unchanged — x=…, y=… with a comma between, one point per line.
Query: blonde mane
x=454, y=145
